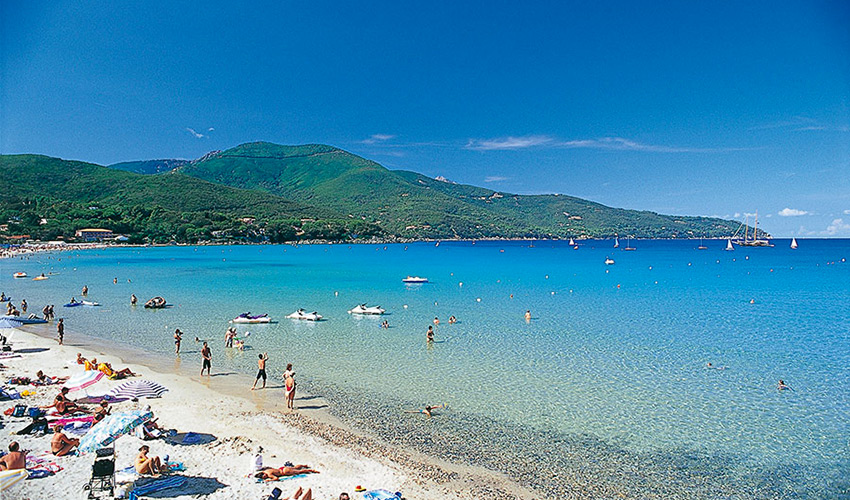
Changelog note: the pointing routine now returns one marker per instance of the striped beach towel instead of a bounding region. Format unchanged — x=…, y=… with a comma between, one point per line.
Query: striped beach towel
x=160, y=484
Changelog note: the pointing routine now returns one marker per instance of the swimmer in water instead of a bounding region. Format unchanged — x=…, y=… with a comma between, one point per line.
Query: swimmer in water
x=436, y=320
x=452, y=320
x=528, y=315
x=783, y=386
x=427, y=410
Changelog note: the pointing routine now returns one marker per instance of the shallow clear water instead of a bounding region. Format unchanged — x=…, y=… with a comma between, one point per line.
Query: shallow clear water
x=617, y=351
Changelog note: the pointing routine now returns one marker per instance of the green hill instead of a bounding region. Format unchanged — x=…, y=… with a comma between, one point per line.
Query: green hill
x=48, y=197
x=412, y=205
x=149, y=167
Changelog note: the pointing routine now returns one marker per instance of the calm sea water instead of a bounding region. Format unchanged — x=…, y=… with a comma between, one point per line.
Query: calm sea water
x=617, y=351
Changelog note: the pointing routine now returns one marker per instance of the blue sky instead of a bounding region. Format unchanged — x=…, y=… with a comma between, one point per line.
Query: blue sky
x=698, y=108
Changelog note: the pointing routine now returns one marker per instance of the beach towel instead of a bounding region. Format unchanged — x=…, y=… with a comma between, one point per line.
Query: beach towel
x=157, y=485
x=381, y=495
x=284, y=478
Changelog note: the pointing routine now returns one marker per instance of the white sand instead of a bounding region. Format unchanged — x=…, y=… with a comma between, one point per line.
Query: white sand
x=216, y=469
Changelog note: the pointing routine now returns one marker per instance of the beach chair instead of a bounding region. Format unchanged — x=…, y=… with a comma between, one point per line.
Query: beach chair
x=102, y=473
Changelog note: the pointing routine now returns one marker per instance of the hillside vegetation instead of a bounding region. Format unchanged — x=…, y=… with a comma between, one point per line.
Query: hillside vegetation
x=267, y=192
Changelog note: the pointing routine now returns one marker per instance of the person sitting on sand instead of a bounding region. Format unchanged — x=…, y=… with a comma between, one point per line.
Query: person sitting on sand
x=15, y=459
x=61, y=444
x=148, y=465
x=427, y=409
x=101, y=412
x=273, y=473
x=64, y=405
x=80, y=359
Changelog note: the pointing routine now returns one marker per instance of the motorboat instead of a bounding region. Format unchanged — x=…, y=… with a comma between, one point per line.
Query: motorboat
x=248, y=318
x=415, y=279
x=155, y=303
x=609, y=261
x=20, y=275
x=40, y=278
x=301, y=314
x=364, y=309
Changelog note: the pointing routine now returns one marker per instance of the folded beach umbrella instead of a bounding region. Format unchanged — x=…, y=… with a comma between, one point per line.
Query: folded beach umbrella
x=10, y=477
x=83, y=380
x=111, y=428
x=137, y=389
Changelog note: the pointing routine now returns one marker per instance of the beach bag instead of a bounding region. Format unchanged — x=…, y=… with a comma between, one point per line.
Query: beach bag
x=19, y=411
x=35, y=412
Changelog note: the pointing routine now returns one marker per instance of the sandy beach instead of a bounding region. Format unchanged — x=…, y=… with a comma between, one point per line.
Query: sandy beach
x=230, y=422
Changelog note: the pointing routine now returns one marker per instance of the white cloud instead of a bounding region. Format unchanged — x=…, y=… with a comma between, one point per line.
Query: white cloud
x=791, y=212
x=837, y=228
x=604, y=143
x=508, y=143
x=376, y=138
x=197, y=135
x=495, y=178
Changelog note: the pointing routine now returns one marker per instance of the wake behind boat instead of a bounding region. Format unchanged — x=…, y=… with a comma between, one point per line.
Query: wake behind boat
x=302, y=314
x=247, y=318
x=364, y=309
x=415, y=279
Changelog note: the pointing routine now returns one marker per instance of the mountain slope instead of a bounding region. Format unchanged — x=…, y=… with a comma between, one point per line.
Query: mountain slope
x=72, y=194
x=412, y=205
x=149, y=167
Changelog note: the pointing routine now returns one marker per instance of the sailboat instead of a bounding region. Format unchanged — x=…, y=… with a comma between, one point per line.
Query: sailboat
x=701, y=246
x=753, y=241
x=793, y=243
x=616, y=242
x=629, y=246
x=572, y=242
x=729, y=246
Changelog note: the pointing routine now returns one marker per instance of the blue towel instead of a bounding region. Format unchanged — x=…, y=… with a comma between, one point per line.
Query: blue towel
x=380, y=495
x=161, y=484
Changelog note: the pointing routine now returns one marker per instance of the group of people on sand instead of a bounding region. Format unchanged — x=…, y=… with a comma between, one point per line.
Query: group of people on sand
x=104, y=367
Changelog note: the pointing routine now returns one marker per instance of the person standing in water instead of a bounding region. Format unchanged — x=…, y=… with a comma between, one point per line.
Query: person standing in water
x=261, y=365
x=429, y=335
x=289, y=386
x=133, y=299
x=528, y=315
x=178, y=336
x=24, y=306
x=85, y=290
x=206, y=353
x=60, y=330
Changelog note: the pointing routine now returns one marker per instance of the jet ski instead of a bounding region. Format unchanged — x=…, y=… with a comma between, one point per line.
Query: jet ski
x=155, y=303
x=248, y=318
x=364, y=309
x=301, y=314
x=415, y=279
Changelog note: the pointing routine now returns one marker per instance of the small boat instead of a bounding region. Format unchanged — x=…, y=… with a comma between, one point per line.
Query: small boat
x=73, y=304
x=39, y=278
x=616, y=242
x=609, y=261
x=729, y=247
x=249, y=319
x=415, y=279
x=20, y=275
x=301, y=314
x=572, y=242
x=90, y=303
x=155, y=303
x=793, y=243
x=364, y=309
x=701, y=246
x=751, y=240
x=629, y=247
x=24, y=321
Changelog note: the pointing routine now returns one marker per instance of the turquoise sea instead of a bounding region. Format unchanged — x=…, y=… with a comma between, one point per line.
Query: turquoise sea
x=614, y=354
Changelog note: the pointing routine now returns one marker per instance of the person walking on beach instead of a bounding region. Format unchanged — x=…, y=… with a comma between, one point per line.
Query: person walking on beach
x=52, y=314
x=261, y=365
x=289, y=386
x=207, y=363
x=178, y=336
x=60, y=330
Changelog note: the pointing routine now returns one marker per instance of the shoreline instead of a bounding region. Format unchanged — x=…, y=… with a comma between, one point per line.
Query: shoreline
x=420, y=476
